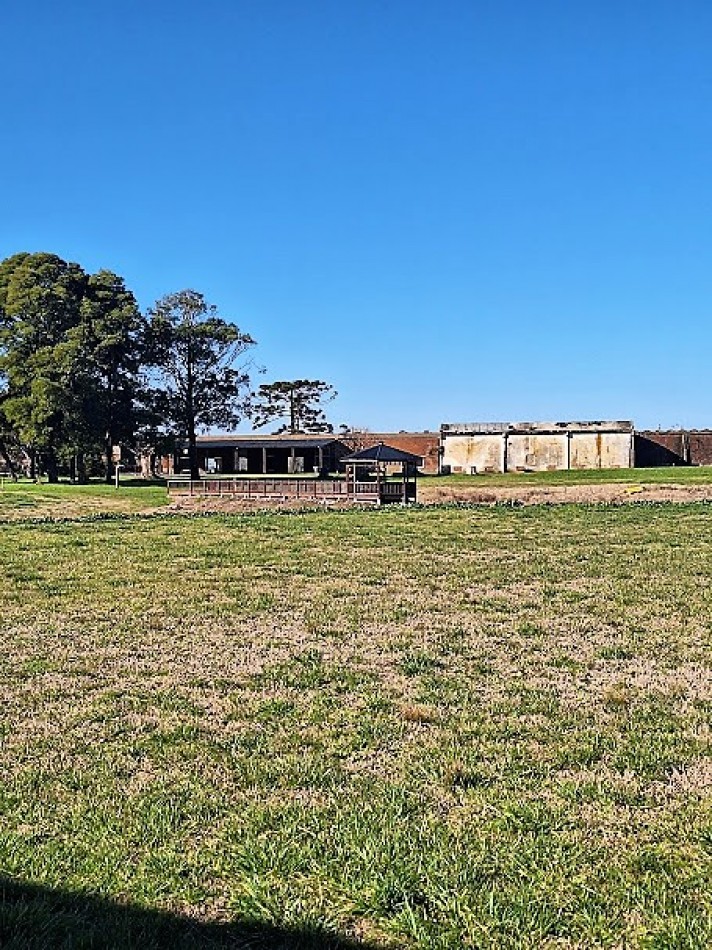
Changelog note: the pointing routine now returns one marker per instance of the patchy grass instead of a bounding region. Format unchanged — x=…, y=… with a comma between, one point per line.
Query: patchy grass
x=433, y=728
x=679, y=475
x=24, y=499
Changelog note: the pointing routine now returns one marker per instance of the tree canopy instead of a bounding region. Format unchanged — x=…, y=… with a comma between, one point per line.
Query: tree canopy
x=198, y=370
x=83, y=370
x=297, y=401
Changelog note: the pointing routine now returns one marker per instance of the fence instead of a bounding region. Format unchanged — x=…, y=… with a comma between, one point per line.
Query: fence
x=288, y=489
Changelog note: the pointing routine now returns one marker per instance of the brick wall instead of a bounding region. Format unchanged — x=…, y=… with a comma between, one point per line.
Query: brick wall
x=676, y=447
x=424, y=444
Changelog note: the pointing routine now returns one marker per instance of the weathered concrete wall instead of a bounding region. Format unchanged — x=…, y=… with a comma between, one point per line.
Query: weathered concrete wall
x=536, y=452
x=481, y=453
x=601, y=449
x=522, y=451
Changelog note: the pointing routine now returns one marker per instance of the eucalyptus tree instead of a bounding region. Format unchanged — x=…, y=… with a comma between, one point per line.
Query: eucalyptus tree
x=199, y=371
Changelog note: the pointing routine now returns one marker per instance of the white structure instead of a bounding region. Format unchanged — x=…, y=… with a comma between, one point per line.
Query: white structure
x=474, y=448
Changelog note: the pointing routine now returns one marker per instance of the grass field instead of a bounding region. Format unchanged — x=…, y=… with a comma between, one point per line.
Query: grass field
x=692, y=475
x=432, y=728
x=25, y=499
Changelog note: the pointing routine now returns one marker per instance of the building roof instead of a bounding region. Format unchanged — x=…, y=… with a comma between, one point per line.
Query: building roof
x=383, y=453
x=284, y=441
x=532, y=428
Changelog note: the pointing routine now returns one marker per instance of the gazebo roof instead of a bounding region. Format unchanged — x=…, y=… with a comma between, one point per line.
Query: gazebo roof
x=383, y=453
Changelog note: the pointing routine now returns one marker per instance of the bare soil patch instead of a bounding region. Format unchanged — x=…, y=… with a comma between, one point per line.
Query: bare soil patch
x=563, y=494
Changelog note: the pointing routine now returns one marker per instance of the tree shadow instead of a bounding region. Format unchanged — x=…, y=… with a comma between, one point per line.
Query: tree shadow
x=33, y=917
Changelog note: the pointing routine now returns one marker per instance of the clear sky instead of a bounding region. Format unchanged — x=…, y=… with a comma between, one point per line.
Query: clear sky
x=452, y=210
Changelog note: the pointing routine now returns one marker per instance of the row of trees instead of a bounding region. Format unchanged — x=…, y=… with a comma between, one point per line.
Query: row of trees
x=83, y=370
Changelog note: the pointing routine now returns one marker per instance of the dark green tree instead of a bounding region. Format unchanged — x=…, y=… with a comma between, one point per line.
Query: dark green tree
x=7, y=435
x=40, y=299
x=112, y=337
x=297, y=401
x=70, y=349
x=199, y=377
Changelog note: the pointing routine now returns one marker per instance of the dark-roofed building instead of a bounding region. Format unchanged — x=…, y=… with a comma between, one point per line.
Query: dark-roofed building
x=266, y=454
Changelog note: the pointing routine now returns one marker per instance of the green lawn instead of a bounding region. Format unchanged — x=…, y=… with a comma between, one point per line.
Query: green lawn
x=431, y=728
x=25, y=499
x=692, y=475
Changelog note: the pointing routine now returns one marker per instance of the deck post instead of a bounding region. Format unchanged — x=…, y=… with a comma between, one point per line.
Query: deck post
x=264, y=460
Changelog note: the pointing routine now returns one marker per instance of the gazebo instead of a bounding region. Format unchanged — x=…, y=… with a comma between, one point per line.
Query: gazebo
x=367, y=474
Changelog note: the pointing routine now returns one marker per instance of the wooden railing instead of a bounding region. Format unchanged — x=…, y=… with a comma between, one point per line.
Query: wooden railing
x=291, y=488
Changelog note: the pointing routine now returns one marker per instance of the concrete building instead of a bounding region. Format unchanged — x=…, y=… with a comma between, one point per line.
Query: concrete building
x=474, y=448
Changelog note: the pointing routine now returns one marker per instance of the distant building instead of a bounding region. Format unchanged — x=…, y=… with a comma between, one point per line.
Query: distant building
x=265, y=454
x=474, y=448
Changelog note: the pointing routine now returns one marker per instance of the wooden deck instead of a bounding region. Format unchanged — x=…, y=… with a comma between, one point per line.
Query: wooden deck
x=290, y=489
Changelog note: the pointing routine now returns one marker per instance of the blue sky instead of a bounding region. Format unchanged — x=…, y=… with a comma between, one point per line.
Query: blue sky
x=451, y=211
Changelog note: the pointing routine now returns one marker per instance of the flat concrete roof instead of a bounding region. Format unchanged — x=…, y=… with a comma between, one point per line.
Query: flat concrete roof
x=532, y=428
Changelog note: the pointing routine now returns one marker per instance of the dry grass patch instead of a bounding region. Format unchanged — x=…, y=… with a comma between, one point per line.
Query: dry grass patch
x=426, y=728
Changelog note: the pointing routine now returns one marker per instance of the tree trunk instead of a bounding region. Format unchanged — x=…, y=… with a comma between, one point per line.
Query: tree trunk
x=148, y=464
x=51, y=467
x=80, y=470
x=109, y=452
x=292, y=413
x=8, y=461
x=190, y=413
x=193, y=452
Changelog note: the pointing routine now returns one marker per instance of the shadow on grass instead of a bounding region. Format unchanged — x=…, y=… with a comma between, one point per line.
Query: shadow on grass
x=34, y=917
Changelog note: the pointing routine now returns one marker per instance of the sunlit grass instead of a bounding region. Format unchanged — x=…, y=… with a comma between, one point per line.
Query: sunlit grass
x=433, y=728
x=25, y=499
x=684, y=475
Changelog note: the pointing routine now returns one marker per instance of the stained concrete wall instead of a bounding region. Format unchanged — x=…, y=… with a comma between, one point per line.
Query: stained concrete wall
x=481, y=453
x=536, y=452
x=517, y=451
x=601, y=449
